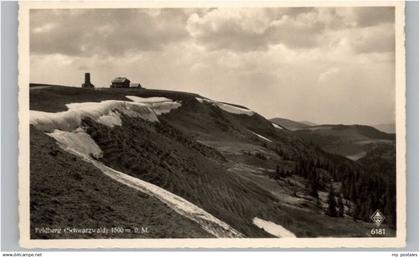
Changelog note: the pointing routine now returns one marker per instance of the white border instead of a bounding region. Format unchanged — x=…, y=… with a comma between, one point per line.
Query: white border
x=23, y=80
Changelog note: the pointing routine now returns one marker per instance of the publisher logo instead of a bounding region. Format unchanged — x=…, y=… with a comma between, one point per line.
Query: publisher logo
x=377, y=218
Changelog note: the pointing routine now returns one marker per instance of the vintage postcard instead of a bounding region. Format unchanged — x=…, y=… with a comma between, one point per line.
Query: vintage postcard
x=212, y=125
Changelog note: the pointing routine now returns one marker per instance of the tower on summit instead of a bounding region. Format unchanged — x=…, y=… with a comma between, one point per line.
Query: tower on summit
x=87, y=83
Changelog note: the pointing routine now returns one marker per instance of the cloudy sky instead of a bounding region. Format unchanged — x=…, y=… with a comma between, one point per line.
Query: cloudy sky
x=325, y=65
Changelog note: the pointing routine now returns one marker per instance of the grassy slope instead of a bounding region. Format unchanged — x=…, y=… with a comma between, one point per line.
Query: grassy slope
x=160, y=155
x=67, y=192
x=146, y=151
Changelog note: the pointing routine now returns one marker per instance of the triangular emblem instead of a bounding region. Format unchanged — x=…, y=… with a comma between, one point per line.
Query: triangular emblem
x=377, y=218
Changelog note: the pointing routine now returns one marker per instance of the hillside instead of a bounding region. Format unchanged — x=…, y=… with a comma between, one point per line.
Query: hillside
x=387, y=128
x=291, y=124
x=89, y=199
x=216, y=169
x=351, y=141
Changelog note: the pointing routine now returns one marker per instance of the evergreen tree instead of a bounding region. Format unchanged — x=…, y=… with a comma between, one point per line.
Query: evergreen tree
x=298, y=167
x=340, y=206
x=277, y=174
x=356, y=211
x=390, y=206
x=332, y=204
x=313, y=187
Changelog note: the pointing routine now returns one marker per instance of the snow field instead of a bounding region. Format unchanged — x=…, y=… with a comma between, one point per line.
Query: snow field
x=105, y=112
x=272, y=228
x=226, y=107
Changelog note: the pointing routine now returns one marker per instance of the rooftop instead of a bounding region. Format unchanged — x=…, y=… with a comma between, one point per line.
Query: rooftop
x=119, y=80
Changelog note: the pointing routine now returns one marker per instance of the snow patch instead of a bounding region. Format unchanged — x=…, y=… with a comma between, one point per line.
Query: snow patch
x=205, y=100
x=276, y=126
x=148, y=99
x=226, y=107
x=234, y=109
x=78, y=141
x=105, y=112
x=262, y=137
x=357, y=156
x=201, y=100
x=110, y=120
x=80, y=144
x=207, y=221
x=159, y=105
x=165, y=107
x=272, y=228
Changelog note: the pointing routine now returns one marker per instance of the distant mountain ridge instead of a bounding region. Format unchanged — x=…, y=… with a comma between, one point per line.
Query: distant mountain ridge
x=386, y=127
x=351, y=141
x=309, y=123
x=363, y=130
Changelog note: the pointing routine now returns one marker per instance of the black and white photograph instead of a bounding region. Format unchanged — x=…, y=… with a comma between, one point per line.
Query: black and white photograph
x=227, y=125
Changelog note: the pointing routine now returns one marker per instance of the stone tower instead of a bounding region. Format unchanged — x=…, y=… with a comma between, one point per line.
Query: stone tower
x=87, y=83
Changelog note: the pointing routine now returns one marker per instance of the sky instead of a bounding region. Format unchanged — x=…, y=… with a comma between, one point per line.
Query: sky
x=324, y=65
